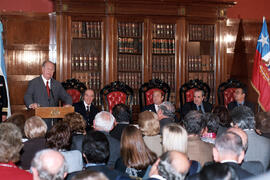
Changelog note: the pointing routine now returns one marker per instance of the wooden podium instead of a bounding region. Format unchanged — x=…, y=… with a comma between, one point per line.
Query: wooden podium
x=53, y=112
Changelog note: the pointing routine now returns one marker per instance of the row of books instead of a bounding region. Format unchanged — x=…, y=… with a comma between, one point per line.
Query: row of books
x=163, y=63
x=81, y=29
x=163, y=46
x=166, y=77
x=200, y=63
x=85, y=62
x=199, y=32
x=129, y=45
x=133, y=80
x=129, y=62
x=91, y=80
x=130, y=29
x=163, y=30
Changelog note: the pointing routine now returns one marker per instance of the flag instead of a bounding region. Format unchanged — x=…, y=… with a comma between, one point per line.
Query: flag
x=261, y=69
x=3, y=67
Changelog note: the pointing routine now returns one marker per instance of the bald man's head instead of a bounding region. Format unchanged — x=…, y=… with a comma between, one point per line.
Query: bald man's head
x=242, y=134
x=49, y=164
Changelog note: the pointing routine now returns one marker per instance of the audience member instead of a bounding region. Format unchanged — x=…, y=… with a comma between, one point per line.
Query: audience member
x=19, y=120
x=240, y=95
x=49, y=164
x=243, y=118
x=77, y=127
x=123, y=117
x=197, y=149
x=10, y=146
x=224, y=118
x=158, y=98
x=96, y=150
x=229, y=149
x=135, y=155
x=90, y=175
x=149, y=125
x=171, y=165
x=35, y=129
x=166, y=114
x=58, y=138
x=198, y=103
x=86, y=107
x=104, y=122
x=210, y=131
x=263, y=124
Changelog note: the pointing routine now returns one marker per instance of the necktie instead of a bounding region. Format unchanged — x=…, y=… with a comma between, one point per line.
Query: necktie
x=200, y=108
x=48, y=88
x=88, y=109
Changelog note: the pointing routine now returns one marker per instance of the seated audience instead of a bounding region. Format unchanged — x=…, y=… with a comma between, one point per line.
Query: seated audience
x=104, y=122
x=218, y=171
x=197, y=149
x=171, y=165
x=149, y=125
x=158, y=98
x=35, y=129
x=58, y=138
x=77, y=127
x=123, y=117
x=243, y=118
x=166, y=114
x=224, y=118
x=49, y=164
x=90, y=175
x=198, y=104
x=263, y=123
x=210, y=131
x=240, y=95
x=18, y=119
x=86, y=108
x=10, y=147
x=135, y=155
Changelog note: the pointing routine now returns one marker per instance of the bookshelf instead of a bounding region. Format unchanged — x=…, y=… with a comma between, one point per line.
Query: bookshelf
x=163, y=55
x=129, y=55
x=200, y=55
x=86, y=45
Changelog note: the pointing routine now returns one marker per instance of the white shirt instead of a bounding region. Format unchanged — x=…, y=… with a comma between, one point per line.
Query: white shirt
x=45, y=81
x=85, y=105
x=156, y=107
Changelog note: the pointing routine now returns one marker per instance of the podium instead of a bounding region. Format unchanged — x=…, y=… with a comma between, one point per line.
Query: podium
x=53, y=112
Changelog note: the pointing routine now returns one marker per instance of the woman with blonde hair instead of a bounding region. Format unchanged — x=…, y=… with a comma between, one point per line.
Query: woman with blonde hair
x=135, y=155
x=149, y=125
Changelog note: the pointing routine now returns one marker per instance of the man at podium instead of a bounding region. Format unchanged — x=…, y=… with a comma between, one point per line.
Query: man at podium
x=44, y=91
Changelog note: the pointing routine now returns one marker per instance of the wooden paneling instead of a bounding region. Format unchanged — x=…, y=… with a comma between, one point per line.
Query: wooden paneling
x=26, y=41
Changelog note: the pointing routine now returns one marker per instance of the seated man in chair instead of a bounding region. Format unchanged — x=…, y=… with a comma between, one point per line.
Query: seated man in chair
x=158, y=98
x=197, y=103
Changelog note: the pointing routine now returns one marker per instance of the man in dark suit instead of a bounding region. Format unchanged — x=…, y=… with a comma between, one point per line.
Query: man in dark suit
x=86, y=108
x=166, y=114
x=158, y=98
x=3, y=99
x=240, y=95
x=198, y=103
x=44, y=91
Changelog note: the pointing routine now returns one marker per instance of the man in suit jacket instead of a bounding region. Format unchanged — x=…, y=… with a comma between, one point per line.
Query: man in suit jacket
x=158, y=98
x=197, y=103
x=3, y=99
x=240, y=95
x=44, y=91
x=86, y=108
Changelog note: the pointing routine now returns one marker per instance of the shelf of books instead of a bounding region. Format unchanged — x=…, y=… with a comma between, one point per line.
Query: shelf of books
x=129, y=56
x=200, y=55
x=163, y=55
x=86, y=54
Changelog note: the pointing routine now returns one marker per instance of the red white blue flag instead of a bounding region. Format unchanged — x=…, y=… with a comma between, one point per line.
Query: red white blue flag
x=261, y=69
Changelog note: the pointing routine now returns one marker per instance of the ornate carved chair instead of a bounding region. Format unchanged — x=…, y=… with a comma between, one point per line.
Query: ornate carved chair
x=226, y=91
x=146, y=91
x=115, y=93
x=187, y=91
x=74, y=88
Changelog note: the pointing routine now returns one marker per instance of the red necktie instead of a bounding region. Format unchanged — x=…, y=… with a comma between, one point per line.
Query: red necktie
x=48, y=88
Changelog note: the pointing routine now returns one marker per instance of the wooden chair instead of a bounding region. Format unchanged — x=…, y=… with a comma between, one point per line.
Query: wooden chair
x=74, y=88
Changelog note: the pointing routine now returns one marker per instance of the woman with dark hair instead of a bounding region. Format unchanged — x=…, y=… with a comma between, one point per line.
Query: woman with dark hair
x=19, y=120
x=135, y=155
x=58, y=138
x=263, y=123
x=224, y=118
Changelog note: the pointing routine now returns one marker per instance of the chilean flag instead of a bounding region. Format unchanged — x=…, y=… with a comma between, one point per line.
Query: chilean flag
x=261, y=69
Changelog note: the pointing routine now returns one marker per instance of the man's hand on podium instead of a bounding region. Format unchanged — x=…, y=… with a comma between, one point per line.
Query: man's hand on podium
x=34, y=106
x=67, y=105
